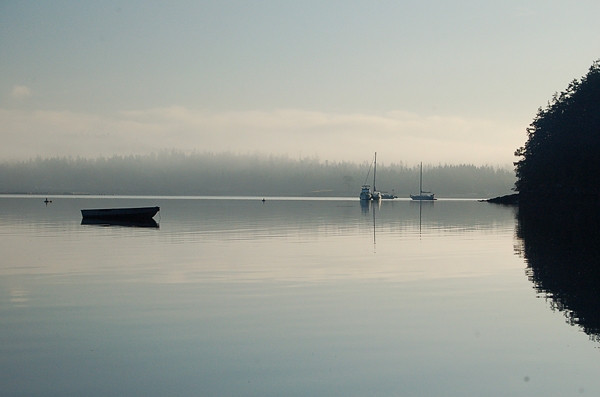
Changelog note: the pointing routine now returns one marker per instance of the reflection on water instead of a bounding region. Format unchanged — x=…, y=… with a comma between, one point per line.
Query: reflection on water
x=561, y=245
x=421, y=203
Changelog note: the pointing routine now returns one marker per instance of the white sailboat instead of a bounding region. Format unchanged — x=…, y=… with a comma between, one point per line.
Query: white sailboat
x=422, y=194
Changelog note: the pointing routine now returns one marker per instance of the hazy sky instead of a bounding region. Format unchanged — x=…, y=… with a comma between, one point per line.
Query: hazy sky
x=432, y=81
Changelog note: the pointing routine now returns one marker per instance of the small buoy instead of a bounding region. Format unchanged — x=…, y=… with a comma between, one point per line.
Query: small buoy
x=263, y=200
x=47, y=201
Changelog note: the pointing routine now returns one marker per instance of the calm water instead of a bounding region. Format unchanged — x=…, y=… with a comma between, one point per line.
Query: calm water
x=236, y=297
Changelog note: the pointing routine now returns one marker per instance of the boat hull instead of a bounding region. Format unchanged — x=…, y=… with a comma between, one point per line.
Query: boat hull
x=423, y=197
x=365, y=193
x=125, y=214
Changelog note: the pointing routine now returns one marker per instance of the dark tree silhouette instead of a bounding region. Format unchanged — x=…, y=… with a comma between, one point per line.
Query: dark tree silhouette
x=561, y=157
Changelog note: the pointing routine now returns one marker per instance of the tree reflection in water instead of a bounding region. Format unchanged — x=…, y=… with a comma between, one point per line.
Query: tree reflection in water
x=560, y=242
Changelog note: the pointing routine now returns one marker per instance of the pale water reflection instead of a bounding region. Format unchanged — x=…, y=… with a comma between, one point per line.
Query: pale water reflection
x=288, y=297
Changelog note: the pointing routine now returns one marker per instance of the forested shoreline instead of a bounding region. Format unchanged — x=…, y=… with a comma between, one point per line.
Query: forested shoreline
x=214, y=174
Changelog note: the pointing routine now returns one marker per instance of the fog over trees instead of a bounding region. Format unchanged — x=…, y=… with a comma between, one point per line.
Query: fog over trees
x=209, y=174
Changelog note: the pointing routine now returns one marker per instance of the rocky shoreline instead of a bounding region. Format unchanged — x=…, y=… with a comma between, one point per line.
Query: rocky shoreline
x=509, y=199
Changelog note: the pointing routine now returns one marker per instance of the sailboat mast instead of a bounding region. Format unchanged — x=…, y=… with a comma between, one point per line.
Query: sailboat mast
x=375, y=172
x=421, y=180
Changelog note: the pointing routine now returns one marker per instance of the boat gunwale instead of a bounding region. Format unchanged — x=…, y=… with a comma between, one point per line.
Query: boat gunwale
x=120, y=213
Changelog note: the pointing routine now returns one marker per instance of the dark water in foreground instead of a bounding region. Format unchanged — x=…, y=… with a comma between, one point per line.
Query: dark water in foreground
x=235, y=297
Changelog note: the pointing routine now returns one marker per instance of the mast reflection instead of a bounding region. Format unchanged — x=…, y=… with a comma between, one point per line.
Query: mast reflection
x=421, y=204
x=365, y=206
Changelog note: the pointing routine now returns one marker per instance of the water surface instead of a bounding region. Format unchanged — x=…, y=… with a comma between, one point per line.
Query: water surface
x=295, y=297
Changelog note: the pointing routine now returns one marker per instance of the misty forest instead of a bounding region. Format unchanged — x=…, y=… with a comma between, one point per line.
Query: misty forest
x=209, y=174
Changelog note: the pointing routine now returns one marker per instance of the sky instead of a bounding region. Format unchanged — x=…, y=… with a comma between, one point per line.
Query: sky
x=442, y=82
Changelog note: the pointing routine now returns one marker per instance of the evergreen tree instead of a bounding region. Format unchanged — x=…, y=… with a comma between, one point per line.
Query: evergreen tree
x=562, y=154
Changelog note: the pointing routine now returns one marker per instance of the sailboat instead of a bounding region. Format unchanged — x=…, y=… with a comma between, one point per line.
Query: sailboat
x=366, y=193
x=422, y=194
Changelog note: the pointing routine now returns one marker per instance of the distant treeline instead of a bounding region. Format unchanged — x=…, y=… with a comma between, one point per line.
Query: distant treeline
x=210, y=174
